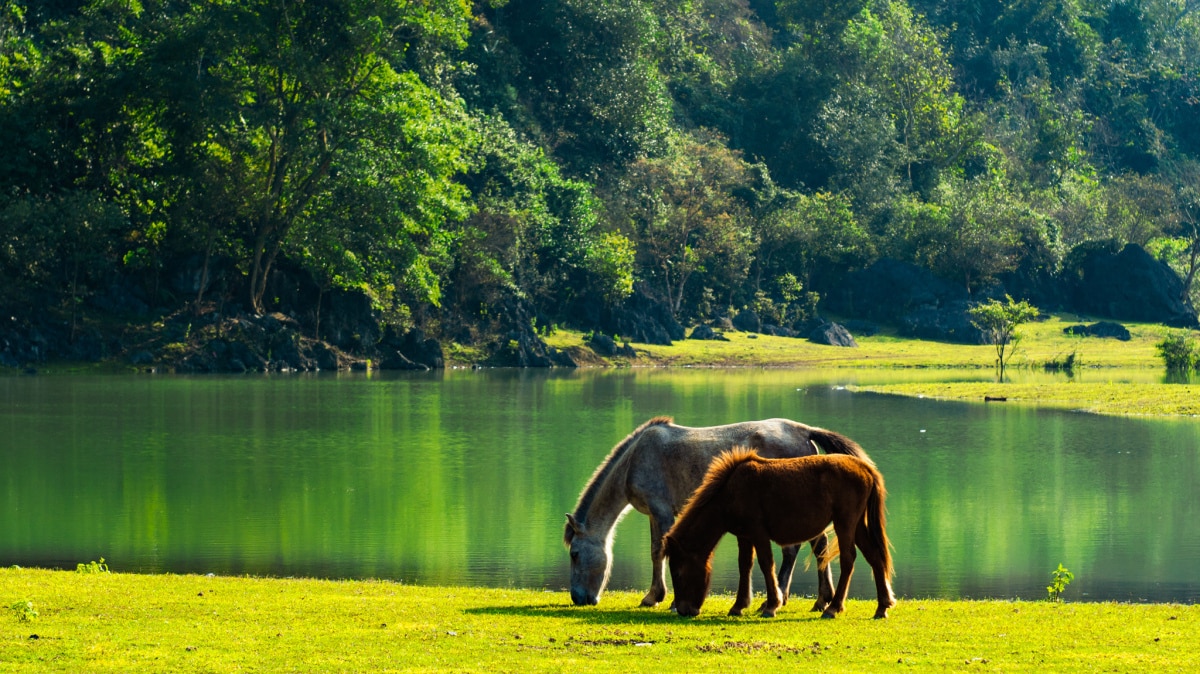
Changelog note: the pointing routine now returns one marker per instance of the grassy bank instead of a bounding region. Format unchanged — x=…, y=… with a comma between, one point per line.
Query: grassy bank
x=121, y=622
x=1041, y=343
x=1116, y=398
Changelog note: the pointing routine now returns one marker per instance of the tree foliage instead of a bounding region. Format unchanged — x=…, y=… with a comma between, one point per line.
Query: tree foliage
x=449, y=159
x=999, y=322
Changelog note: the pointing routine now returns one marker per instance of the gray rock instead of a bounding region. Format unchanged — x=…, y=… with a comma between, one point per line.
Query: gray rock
x=833, y=334
x=1102, y=329
x=704, y=332
x=747, y=321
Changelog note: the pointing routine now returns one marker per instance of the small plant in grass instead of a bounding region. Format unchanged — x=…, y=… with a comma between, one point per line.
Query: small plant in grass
x=1067, y=364
x=92, y=567
x=25, y=611
x=1059, y=580
x=1178, y=352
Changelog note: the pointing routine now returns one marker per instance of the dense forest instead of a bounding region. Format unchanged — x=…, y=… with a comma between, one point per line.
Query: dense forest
x=467, y=166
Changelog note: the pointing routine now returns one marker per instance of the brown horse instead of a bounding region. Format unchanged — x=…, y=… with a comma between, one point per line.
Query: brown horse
x=787, y=501
x=654, y=470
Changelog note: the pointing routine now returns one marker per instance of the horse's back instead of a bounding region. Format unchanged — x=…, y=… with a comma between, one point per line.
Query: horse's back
x=670, y=461
x=771, y=438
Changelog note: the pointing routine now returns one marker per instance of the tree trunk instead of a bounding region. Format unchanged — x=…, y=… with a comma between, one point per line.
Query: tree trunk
x=1193, y=261
x=204, y=269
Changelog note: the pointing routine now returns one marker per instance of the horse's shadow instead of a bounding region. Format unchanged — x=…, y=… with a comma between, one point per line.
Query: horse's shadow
x=621, y=616
x=588, y=614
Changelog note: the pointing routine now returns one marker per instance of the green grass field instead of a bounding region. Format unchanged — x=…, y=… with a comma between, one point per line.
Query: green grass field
x=169, y=623
x=1041, y=342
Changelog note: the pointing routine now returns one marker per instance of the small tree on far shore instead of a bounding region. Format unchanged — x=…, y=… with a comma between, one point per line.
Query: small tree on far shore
x=1179, y=353
x=999, y=321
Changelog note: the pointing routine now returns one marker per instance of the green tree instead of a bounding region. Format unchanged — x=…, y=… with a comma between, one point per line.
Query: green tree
x=901, y=69
x=686, y=216
x=588, y=70
x=336, y=109
x=1187, y=202
x=800, y=233
x=999, y=322
x=536, y=235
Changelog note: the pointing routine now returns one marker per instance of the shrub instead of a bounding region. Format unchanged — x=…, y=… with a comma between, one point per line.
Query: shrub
x=1178, y=352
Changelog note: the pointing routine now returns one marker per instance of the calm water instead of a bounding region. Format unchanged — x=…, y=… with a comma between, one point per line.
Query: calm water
x=463, y=477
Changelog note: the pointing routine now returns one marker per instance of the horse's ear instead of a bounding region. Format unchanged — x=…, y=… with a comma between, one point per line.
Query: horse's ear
x=571, y=530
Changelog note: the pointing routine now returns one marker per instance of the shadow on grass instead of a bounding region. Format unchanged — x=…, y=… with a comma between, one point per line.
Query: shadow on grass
x=620, y=616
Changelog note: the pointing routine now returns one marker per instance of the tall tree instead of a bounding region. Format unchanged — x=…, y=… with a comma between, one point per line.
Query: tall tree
x=298, y=100
x=686, y=216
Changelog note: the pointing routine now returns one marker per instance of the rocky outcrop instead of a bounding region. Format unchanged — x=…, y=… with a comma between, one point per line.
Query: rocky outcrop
x=520, y=345
x=747, y=320
x=918, y=303
x=640, y=318
x=949, y=323
x=410, y=351
x=1106, y=329
x=26, y=340
x=706, y=333
x=244, y=343
x=888, y=290
x=606, y=346
x=832, y=334
x=1130, y=285
x=777, y=331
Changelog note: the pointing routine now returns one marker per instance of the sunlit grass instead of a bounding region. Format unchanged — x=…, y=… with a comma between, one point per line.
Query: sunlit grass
x=1100, y=398
x=1040, y=343
x=125, y=623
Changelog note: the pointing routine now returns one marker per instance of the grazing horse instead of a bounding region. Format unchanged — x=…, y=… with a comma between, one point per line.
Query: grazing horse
x=787, y=501
x=654, y=470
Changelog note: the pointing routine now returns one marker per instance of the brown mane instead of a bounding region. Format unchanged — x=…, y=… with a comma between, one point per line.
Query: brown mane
x=589, y=492
x=718, y=473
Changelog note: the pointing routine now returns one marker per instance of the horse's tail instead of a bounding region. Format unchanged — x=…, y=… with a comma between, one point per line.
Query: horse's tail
x=877, y=522
x=836, y=443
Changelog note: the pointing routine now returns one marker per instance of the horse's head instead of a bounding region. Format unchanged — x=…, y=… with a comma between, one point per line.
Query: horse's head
x=591, y=561
x=691, y=574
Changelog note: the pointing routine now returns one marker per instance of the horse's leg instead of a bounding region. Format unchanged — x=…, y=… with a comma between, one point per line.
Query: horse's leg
x=824, y=575
x=786, y=566
x=845, y=534
x=766, y=562
x=659, y=525
x=874, y=557
x=745, y=591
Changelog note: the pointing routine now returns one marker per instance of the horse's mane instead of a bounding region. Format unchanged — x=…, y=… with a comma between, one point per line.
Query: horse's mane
x=593, y=486
x=718, y=473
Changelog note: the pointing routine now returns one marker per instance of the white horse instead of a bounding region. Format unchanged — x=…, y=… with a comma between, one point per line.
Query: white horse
x=655, y=470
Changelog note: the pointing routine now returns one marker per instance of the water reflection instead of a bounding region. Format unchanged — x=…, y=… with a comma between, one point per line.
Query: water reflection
x=463, y=477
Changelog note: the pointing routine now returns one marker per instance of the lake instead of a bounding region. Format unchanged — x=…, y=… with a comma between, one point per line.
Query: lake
x=463, y=477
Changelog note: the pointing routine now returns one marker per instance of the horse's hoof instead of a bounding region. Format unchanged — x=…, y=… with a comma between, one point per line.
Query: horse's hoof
x=768, y=614
x=649, y=603
x=828, y=616
x=819, y=606
x=736, y=611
